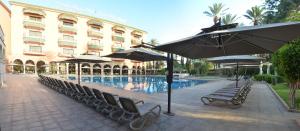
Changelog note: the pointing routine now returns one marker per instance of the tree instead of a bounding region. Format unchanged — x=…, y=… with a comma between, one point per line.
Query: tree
x=279, y=10
x=287, y=62
x=255, y=14
x=215, y=11
x=229, y=19
x=154, y=42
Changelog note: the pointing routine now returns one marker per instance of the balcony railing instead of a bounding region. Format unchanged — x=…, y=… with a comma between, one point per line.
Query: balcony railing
x=95, y=33
x=67, y=43
x=136, y=41
x=94, y=46
x=118, y=38
x=66, y=55
x=33, y=24
x=67, y=29
x=116, y=48
x=34, y=39
x=34, y=53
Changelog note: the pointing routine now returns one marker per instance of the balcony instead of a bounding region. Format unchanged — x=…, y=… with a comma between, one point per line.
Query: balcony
x=67, y=29
x=66, y=55
x=34, y=39
x=136, y=42
x=34, y=53
x=118, y=38
x=94, y=46
x=34, y=24
x=95, y=33
x=67, y=43
x=117, y=47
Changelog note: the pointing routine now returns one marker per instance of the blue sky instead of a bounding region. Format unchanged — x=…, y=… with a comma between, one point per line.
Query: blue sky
x=164, y=20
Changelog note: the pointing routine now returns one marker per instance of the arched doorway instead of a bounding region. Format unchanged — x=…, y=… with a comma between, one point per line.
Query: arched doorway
x=96, y=69
x=41, y=67
x=85, y=68
x=29, y=67
x=133, y=70
x=116, y=70
x=143, y=71
x=18, y=66
x=138, y=70
x=107, y=69
x=125, y=70
x=72, y=68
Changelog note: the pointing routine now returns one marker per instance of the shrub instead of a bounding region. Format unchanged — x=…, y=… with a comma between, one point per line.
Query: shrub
x=271, y=79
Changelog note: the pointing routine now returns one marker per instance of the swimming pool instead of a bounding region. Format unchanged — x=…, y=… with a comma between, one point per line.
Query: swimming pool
x=143, y=84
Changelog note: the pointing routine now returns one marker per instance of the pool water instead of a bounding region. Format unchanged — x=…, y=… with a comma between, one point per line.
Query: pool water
x=143, y=84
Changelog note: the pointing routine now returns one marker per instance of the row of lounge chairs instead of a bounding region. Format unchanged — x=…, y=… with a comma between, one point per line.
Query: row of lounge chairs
x=230, y=94
x=122, y=109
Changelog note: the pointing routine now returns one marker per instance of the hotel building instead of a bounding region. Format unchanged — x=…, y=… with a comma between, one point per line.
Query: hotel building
x=41, y=35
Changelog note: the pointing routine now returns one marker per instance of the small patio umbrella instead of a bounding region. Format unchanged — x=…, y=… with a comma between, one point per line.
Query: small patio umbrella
x=83, y=59
x=138, y=54
x=97, y=67
x=31, y=65
x=236, y=59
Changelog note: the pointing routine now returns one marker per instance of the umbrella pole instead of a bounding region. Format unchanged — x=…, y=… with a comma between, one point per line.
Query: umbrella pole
x=169, y=81
x=237, y=72
x=78, y=72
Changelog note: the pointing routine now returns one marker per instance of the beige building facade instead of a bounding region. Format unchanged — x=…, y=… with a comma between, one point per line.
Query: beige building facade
x=41, y=35
x=4, y=39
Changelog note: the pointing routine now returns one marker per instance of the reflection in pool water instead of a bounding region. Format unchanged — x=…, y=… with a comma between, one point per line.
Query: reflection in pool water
x=144, y=84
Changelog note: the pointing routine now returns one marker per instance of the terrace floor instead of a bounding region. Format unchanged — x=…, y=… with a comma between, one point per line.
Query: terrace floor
x=25, y=104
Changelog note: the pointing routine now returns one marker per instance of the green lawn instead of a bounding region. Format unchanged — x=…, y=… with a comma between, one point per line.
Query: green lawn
x=283, y=91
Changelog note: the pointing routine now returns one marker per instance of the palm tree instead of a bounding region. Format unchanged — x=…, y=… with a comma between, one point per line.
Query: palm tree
x=153, y=42
x=229, y=19
x=256, y=14
x=215, y=11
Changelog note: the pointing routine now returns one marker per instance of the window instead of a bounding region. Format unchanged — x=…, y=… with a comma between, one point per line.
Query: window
x=95, y=28
x=68, y=51
x=35, y=49
x=66, y=23
x=68, y=37
x=35, y=33
x=34, y=18
x=95, y=41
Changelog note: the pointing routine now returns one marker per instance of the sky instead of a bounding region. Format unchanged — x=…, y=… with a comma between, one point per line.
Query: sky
x=164, y=20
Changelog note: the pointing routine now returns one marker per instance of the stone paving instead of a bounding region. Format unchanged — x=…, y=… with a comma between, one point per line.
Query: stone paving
x=25, y=104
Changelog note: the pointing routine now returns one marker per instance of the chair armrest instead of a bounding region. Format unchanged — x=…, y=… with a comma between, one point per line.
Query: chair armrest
x=141, y=101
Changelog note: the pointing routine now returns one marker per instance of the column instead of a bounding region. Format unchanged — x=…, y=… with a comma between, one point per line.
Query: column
x=261, y=68
x=91, y=69
x=268, y=68
x=35, y=69
x=112, y=70
x=57, y=68
x=24, y=69
x=76, y=68
x=102, y=69
x=121, y=70
x=67, y=69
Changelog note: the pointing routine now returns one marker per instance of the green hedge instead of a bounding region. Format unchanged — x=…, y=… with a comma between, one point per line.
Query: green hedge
x=271, y=79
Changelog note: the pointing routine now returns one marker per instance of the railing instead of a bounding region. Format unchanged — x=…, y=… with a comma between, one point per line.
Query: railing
x=67, y=43
x=34, y=39
x=118, y=38
x=136, y=41
x=116, y=48
x=94, y=46
x=35, y=24
x=95, y=33
x=64, y=28
x=66, y=55
x=34, y=53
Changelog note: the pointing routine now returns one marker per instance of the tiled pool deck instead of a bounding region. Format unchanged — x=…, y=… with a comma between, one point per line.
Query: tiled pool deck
x=25, y=104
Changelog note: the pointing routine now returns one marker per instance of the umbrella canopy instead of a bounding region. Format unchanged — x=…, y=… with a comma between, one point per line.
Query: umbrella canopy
x=83, y=59
x=236, y=58
x=86, y=58
x=138, y=54
x=29, y=65
x=85, y=67
x=97, y=67
x=235, y=41
x=143, y=45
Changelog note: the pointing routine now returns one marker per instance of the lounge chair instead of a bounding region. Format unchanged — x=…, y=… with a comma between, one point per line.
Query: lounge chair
x=112, y=105
x=138, y=115
x=100, y=102
x=89, y=98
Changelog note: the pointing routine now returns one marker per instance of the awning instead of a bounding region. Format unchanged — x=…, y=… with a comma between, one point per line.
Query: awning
x=95, y=22
x=67, y=17
x=118, y=28
x=34, y=11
